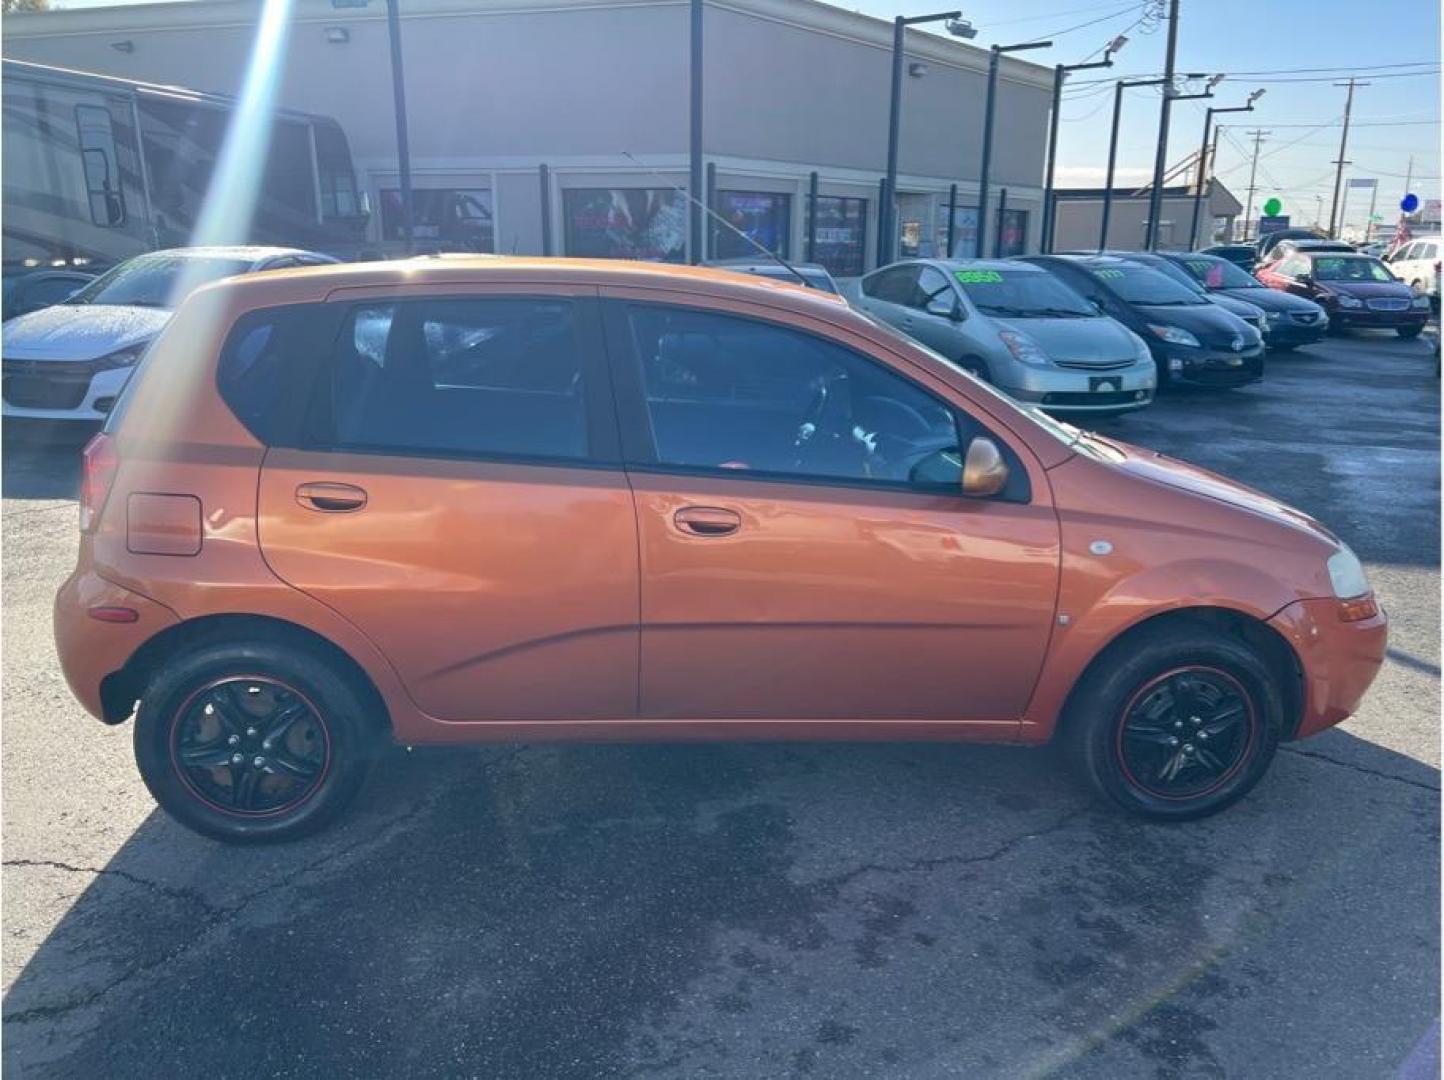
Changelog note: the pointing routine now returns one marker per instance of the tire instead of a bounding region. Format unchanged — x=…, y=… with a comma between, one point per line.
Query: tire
x=1127, y=691
x=292, y=710
x=1409, y=332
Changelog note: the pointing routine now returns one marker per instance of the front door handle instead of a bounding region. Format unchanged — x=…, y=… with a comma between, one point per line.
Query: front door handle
x=707, y=520
x=331, y=498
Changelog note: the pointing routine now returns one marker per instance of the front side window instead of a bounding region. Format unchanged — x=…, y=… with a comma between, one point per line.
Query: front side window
x=472, y=377
x=762, y=217
x=98, y=158
x=454, y=219
x=626, y=223
x=840, y=235
x=724, y=392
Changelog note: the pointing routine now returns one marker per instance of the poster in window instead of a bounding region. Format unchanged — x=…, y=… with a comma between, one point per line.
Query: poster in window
x=626, y=223
x=762, y=217
x=841, y=237
x=442, y=219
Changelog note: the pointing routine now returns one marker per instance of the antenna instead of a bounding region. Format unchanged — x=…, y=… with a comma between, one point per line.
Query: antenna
x=722, y=221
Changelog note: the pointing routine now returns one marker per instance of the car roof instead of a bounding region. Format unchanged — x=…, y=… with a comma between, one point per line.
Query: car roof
x=298, y=284
x=985, y=264
x=247, y=252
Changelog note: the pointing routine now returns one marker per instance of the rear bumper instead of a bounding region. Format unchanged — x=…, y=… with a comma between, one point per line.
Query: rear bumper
x=1340, y=659
x=91, y=650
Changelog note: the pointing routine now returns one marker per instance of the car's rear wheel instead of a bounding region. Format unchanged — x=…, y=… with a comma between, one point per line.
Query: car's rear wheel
x=1178, y=725
x=976, y=367
x=252, y=742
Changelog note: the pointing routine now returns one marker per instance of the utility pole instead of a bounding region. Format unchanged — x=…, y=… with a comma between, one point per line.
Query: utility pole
x=1160, y=160
x=1252, y=173
x=1334, y=223
x=403, y=142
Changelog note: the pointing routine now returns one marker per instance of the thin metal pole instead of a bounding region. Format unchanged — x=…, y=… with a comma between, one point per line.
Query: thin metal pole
x=403, y=142
x=1373, y=204
x=881, y=221
x=1203, y=178
x=1160, y=160
x=987, y=162
x=1343, y=150
x=546, y=208
x=1059, y=74
x=694, y=212
x=1112, y=161
x=886, y=219
x=952, y=218
x=710, y=244
x=812, y=217
x=998, y=232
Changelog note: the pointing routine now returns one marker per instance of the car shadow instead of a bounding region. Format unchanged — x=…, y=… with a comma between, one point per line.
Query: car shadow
x=587, y=911
x=41, y=460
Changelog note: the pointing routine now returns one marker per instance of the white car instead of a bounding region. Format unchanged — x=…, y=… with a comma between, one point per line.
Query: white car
x=1416, y=264
x=70, y=361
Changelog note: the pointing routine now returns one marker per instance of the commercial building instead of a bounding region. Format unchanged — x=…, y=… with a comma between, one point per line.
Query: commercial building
x=1080, y=218
x=562, y=126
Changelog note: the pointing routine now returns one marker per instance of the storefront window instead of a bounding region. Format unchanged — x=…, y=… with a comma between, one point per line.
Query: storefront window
x=1012, y=232
x=449, y=219
x=841, y=235
x=965, y=233
x=763, y=217
x=626, y=223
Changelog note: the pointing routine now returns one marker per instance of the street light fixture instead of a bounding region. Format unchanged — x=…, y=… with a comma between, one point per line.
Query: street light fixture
x=1205, y=166
x=994, y=54
x=958, y=27
x=1060, y=72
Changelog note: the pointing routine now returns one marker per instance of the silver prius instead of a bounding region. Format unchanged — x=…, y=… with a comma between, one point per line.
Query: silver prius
x=1016, y=326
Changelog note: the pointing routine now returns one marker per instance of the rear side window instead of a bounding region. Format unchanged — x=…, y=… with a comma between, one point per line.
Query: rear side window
x=264, y=366
x=894, y=285
x=471, y=377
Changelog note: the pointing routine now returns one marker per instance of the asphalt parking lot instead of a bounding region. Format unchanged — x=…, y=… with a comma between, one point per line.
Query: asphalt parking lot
x=767, y=911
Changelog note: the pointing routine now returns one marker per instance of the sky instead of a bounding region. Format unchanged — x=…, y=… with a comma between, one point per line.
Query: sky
x=1391, y=44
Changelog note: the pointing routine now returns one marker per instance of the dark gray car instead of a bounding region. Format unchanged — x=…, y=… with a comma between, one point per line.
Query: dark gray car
x=1016, y=326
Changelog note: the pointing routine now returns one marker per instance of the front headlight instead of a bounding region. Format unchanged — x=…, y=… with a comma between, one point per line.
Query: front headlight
x=1175, y=335
x=126, y=357
x=1274, y=316
x=1023, y=348
x=1346, y=574
x=1345, y=300
x=1420, y=302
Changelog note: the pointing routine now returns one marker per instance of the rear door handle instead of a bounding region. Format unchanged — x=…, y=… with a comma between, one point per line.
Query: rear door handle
x=707, y=520
x=331, y=498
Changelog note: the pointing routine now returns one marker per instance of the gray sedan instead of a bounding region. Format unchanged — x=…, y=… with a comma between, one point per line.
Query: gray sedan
x=1016, y=326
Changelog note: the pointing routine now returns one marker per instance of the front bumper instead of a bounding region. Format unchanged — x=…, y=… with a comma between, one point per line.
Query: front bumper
x=1208, y=367
x=1340, y=659
x=91, y=650
x=52, y=393
x=1364, y=318
x=1286, y=331
x=1097, y=390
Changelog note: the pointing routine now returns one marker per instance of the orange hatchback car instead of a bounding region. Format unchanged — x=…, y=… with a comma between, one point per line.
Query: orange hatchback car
x=479, y=500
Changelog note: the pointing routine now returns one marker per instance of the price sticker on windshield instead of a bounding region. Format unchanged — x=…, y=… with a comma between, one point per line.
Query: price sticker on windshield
x=978, y=277
x=1109, y=275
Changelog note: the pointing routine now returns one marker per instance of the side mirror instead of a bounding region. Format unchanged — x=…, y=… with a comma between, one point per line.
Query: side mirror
x=985, y=472
x=945, y=307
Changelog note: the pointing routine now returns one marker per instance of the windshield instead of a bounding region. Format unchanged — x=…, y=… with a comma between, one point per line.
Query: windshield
x=1350, y=268
x=1022, y=294
x=150, y=280
x=1070, y=436
x=1137, y=284
x=1170, y=269
x=1221, y=274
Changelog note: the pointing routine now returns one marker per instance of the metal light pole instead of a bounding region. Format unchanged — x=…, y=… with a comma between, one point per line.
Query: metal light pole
x=996, y=52
x=1206, y=166
x=403, y=143
x=1118, y=88
x=1252, y=178
x=694, y=212
x=1160, y=158
x=1060, y=72
x=887, y=225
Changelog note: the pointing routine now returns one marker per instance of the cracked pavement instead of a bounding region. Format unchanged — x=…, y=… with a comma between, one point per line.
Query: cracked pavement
x=758, y=910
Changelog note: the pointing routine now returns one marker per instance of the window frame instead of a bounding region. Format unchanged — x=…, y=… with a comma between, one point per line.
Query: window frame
x=313, y=427
x=639, y=449
x=112, y=187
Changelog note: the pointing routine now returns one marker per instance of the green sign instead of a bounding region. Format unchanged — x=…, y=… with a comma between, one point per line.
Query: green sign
x=978, y=277
x=1272, y=207
x=1108, y=275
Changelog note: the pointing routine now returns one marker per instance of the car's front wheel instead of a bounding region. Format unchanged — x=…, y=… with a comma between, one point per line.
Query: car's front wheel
x=1178, y=725
x=252, y=741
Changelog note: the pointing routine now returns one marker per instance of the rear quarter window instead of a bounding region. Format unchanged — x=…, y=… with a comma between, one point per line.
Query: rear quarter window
x=266, y=366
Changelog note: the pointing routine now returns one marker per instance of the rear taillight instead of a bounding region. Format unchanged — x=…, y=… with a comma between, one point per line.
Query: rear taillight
x=100, y=462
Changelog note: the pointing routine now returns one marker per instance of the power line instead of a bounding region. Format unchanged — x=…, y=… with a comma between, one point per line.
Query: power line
x=1369, y=71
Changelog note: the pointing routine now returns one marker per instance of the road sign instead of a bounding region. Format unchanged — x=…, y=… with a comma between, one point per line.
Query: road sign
x=1272, y=223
